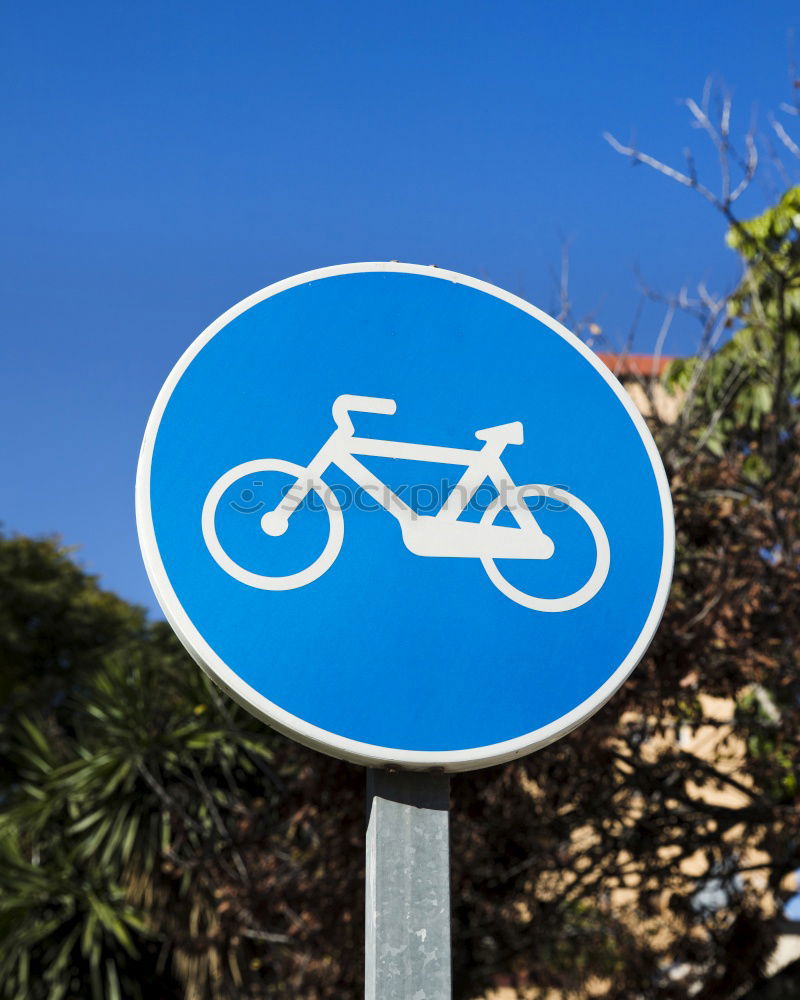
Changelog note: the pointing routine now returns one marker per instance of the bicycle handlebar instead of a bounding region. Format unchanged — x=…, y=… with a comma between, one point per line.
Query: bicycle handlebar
x=360, y=404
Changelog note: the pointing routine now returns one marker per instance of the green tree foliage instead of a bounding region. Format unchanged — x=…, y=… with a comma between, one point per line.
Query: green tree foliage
x=155, y=839
x=749, y=389
x=56, y=624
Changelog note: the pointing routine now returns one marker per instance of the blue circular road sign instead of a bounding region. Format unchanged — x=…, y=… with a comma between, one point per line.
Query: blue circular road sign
x=404, y=516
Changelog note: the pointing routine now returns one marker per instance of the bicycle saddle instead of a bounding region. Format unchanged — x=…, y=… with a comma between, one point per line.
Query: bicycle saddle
x=507, y=433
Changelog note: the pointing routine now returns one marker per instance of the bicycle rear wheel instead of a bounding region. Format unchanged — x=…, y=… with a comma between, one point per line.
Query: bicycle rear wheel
x=602, y=553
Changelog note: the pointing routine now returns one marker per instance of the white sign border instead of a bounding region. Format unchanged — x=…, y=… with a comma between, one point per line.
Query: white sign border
x=314, y=736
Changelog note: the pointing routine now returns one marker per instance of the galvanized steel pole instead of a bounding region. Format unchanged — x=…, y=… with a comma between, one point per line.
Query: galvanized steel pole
x=408, y=886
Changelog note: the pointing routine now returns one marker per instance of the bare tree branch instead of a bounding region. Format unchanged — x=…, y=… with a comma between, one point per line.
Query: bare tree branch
x=718, y=131
x=750, y=167
x=638, y=157
x=565, y=306
x=784, y=137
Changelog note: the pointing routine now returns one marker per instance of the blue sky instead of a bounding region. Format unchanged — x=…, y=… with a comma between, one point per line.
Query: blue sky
x=162, y=161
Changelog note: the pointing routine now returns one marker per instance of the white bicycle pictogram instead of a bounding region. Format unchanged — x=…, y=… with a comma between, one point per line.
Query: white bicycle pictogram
x=434, y=535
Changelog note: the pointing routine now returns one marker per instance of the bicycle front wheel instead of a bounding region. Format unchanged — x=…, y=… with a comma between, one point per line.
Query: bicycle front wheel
x=262, y=581
x=602, y=554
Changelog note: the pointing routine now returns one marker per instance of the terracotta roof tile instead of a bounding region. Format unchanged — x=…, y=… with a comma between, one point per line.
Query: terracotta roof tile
x=642, y=365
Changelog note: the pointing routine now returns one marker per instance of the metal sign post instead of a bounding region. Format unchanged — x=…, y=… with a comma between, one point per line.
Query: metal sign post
x=408, y=886
x=434, y=638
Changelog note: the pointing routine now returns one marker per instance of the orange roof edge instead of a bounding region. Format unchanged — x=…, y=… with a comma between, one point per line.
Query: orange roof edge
x=642, y=365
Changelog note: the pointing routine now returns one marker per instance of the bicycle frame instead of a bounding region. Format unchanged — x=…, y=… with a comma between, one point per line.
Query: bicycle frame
x=441, y=534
